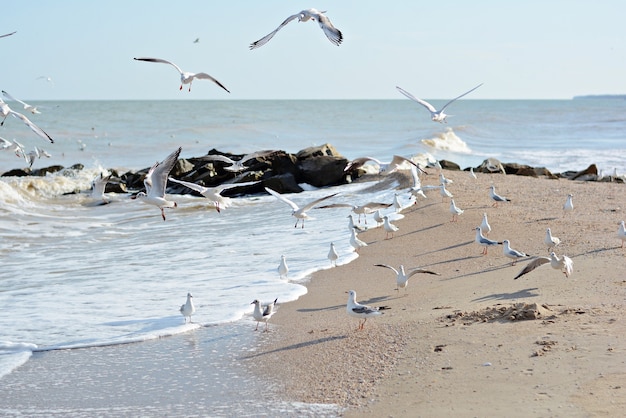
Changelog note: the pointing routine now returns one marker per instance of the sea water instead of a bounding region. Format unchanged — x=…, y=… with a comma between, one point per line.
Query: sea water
x=75, y=275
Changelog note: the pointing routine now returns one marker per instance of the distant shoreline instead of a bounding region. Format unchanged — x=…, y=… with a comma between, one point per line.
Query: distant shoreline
x=601, y=96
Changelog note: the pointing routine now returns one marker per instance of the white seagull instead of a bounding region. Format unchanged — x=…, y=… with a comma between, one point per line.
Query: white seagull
x=356, y=242
x=298, y=212
x=98, y=186
x=5, y=110
x=384, y=168
x=27, y=107
x=485, y=228
x=263, y=313
x=444, y=180
x=187, y=309
x=389, y=227
x=444, y=192
x=564, y=264
x=358, y=228
x=283, y=269
x=333, y=34
x=185, y=76
x=511, y=253
x=569, y=204
x=550, y=240
x=333, y=255
x=155, y=183
x=621, y=232
x=13, y=146
x=368, y=208
x=472, y=174
x=455, y=211
x=361, y=311
x=496, y=197
x=485, y=242
x=238, y=165
x=416, y=190
x=435, y=115
x=214, y=193
x=402, y=278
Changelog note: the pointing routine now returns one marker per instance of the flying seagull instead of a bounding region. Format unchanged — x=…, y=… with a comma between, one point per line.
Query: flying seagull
x=435, y=115
x=333, y=34
x=5, y=111
x=155, y=183
x=237, y=166
x=27, y=107
x=402, y=277
x=185, y=76
x=214, y=193
x=298, y=212
x=564, y=263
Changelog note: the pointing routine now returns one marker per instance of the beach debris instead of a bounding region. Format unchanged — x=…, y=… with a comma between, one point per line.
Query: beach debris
x=362, y=311
x=500, y=312
x=188, y=308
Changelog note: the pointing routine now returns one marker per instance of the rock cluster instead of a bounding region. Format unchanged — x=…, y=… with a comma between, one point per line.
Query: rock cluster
x=319, y=166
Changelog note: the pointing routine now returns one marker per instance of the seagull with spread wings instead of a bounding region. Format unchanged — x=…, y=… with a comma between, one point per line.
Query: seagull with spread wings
x=214, y=193
x=237, y=165
x=333, y=34
x=5, y=111
x=435, y=115
x=185, y=76
x=298, y=212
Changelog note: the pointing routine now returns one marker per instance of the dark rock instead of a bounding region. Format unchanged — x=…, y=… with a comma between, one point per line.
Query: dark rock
x=17, y=172
x=41, y=172
x=318, y=151
x=586, y=174
x=449, y=165
x=490, y=165
x=323, y=171
x=284, y=183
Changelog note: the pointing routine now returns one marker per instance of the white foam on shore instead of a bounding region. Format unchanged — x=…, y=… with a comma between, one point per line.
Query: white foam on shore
x=447, y=141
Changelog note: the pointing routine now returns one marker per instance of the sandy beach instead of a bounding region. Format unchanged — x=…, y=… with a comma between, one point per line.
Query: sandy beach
x=472, y=341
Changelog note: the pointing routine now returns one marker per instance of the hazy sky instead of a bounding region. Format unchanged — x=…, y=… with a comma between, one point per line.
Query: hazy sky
x=544, y=49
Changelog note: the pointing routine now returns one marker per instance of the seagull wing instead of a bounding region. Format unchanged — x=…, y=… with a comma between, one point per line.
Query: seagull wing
x=157, y=176
x=8, y=96
x=222, y=187
x=358, y=162
x=458, y=97
x=415, y=99
x=205, y=76
x=8, y=34
x=256, y=155
x=162, y=61
x=418, y=270
x=218, y=157
x=399, y=160
x=270, y=35
x=333, y=34
x=539, y=261
x=192, y=186
x=280, y=197
x=36, y=129
x=387, y=266
x=315, y=202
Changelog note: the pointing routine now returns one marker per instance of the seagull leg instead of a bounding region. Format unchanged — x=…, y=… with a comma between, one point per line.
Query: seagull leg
x=181, y=87
x=257, y=326
x=163, y=213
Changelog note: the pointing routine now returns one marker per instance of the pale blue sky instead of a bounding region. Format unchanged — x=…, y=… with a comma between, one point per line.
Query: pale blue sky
x=545, y=49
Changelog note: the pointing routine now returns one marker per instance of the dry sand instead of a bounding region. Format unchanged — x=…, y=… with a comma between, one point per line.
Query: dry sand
x=472, y=341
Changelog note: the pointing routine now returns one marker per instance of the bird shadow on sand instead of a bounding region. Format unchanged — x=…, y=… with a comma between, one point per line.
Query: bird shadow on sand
x=296, y=346
x=462, y=244
x=343, y=306
x=487, y=270
x=524, y=293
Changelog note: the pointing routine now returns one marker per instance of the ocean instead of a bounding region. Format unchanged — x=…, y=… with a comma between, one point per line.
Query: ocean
x=76, y=276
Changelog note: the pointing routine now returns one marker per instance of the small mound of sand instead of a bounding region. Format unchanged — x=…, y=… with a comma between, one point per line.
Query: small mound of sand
x=514, y=312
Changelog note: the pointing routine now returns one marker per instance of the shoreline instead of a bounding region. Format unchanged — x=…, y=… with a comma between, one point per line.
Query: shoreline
x=448, y=344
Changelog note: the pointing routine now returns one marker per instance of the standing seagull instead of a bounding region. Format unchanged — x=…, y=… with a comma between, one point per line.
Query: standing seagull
x=185, y=76
x=333, y=34
x=496, y=197
x=435, y=115
x=237, y=166
x=283, y=269
x=356, y=242
x=155, y=183
x=564, y=263
x=455, y=211
x=188, y=309
x=621, y=232
x=511, y=253
x=485, y=242
x=389, y=227
x=402, y=278
x=333, y=255
x=361, y=311
x=472, y=174
x=213, y=193
x=263, y=313
x=298, y=212
x=5, y=111
x=569, y=205
x=485, y=228
x=550, y=240
x=444, y=192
